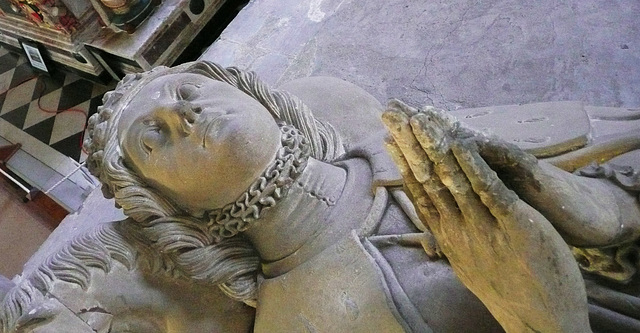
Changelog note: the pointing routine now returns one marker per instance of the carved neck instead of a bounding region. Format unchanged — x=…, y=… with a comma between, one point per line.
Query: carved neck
x=302, y=215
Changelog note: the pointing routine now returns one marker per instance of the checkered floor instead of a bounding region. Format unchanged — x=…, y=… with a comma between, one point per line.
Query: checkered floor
x=51, y=108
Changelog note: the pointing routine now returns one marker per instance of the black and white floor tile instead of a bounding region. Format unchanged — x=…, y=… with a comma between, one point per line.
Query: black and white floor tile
x=52, y=108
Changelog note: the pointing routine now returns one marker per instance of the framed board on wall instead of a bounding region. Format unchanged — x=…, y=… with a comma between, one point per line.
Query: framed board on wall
x=32, y=51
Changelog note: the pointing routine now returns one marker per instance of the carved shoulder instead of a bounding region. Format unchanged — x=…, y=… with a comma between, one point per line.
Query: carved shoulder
x=353, y=112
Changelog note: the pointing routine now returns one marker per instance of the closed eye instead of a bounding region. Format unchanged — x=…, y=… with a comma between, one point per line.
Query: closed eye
x=152, y=137
x=188, y=92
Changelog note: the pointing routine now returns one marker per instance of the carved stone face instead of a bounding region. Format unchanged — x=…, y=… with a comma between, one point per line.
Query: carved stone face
x=199, y=141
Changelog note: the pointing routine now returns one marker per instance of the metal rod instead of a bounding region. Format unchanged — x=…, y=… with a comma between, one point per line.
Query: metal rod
x=15, y=181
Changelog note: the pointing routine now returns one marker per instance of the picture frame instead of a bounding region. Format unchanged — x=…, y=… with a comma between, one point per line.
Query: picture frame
x=32, y=51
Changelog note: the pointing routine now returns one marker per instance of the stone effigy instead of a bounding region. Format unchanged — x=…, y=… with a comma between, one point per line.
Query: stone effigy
x=110, y=280
x=288, y=202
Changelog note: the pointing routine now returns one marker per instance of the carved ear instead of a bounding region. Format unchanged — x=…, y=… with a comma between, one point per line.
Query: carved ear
x=5, y=286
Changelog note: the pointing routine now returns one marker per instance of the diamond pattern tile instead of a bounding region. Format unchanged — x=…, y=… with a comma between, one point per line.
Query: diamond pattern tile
x=47, y=84
x=8, y=62
x=22, y=73
x=18, y=96
x=94, y=103
x=70, y=146
x=5, y=80
x=50, y=122
x=70, y=78
x=74, y=92
x=42, y=130
x=17, y=116
x=36, y=115
x=99, y=90
x=2, y=98
x=69, y=122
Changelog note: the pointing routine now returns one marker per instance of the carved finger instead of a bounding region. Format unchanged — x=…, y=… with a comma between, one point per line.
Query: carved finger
x=435, y=142
x=417, y=239
x=442, y=119
x=425, y=208
x=454, y=128
x=518, y=169
x=398, y=105
x=398, y=125
x=397, y=122
x=420, y=164
x=485, y=182
x=499, y=153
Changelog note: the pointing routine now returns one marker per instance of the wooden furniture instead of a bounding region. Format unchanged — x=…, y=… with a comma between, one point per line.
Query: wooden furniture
x=61, y=36
x=95, y=47
x=157, y=41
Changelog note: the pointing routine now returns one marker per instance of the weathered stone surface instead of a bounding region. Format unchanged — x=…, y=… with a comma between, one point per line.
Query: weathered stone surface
x=451, y=54
x=542, y=129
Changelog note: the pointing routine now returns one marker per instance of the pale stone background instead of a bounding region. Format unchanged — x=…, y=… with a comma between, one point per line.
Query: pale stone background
x=448, y=53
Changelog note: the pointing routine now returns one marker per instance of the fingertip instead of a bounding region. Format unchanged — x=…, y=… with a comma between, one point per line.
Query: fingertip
x=391, y=116
x=447, y=119
x=400, y=106
x=395, y=103
x=484, y=180
x=419, y=119
x=395, y=122
x=441, y=117
x=471, y=162
x=423, y=123
x=431, y=137
x=501, y=152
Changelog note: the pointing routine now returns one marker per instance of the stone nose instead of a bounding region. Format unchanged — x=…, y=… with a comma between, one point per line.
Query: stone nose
x=189, y=112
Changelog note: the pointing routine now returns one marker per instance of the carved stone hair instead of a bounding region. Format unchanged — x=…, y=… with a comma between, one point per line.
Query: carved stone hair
x=121, y=241
x=70, y=264
x=195, y=253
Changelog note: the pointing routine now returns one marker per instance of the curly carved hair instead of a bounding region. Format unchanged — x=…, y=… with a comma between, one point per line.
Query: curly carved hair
x=230, y=263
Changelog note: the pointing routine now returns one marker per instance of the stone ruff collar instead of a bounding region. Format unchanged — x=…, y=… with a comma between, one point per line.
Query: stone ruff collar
x=274, y=183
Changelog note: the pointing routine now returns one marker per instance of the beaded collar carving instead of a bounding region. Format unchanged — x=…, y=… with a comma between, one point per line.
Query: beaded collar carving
x=265, y=192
